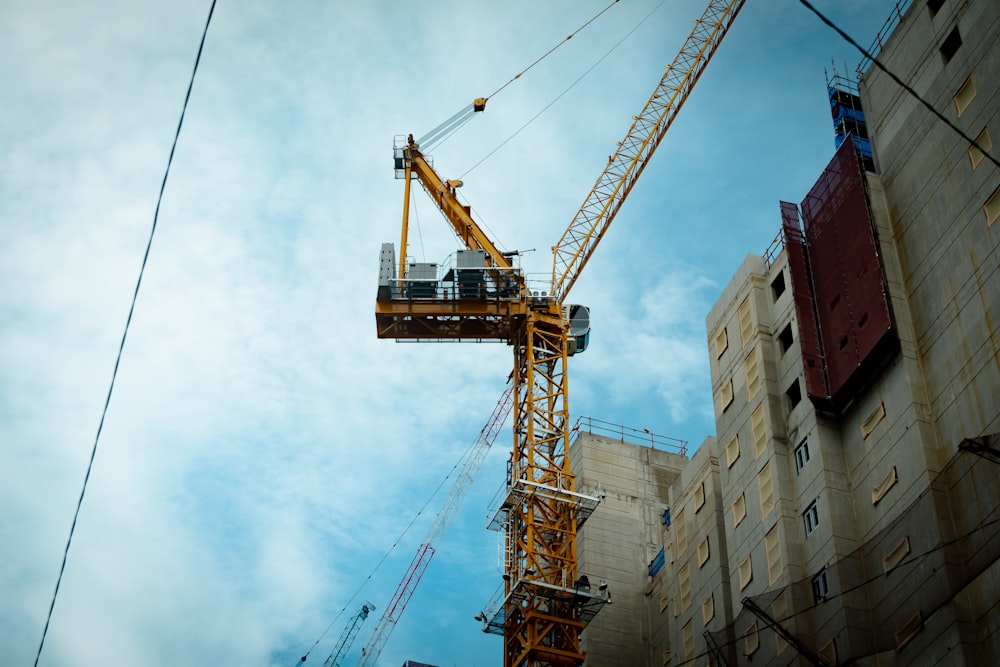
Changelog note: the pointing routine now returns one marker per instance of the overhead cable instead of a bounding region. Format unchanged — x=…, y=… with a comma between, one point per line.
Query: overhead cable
x=121, y=346
x=566, y=90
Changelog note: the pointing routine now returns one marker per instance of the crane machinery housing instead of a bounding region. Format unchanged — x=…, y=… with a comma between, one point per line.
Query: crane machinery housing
x=545, y=603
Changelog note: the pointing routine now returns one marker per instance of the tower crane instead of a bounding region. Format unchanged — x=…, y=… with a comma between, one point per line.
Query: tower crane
x=546, y=602
x=336, y=656
x=477, y=454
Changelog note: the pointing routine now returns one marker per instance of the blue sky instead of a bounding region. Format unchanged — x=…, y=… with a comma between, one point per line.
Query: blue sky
x=263, y=449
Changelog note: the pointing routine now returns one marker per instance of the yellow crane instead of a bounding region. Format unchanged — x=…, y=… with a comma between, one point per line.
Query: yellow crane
x=546, y=602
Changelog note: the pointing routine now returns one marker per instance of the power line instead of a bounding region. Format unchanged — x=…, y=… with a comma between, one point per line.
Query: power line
x=875, y=61
x=121, y=346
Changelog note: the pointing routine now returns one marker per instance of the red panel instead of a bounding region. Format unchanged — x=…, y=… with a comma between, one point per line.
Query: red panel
x=798, y=268
x=851, y=300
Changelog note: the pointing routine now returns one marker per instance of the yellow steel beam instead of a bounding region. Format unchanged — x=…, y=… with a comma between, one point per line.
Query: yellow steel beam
x=624, y=167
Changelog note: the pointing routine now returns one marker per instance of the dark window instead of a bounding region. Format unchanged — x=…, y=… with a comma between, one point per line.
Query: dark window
x=934, y=6
x=820, y=587
x=810, y=518
x=778, y=285
x=949, y=47
x=794, y=393
x=785, y=338
x=801, y=455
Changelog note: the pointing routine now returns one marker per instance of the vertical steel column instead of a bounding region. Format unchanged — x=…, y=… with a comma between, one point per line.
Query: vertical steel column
x=539, y=630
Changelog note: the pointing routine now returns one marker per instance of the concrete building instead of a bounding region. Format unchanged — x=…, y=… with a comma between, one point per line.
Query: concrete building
x=848, y=508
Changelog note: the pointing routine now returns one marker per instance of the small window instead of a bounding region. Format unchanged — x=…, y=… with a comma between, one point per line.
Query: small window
x=759, y=429
x=934, y=5
x=752, y=369
x=992, y=208
x=699, y=497
x=801, y=455
x=778, y=286
x=664, y=601
x=721, y=343
x=876, y=416
x=779, y=611
x=820, y=588
x=951, y=44
x=910, y=629
x=896, y=555
x=794, y=394
x=746, y=572
x=687, y=638
x=751, y=639
x=703, y=552
x=726, y=395
x=682, y=534
x=739, y=510
x=963, y=98
x=785, y=338
x=667, y=656
x=765, y=484
x=684, y=587
x=985, y=145
x=746, y=321
x=708, y=610
x=828, y=653
x=884, y=485
x=772, y=548
x=810, y=518
x=733, y=451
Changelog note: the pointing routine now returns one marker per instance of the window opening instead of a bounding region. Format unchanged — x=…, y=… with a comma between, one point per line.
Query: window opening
x=794, y=393
x=950, y=45
x=786, y=338
x=963, y=98
x=985, y=142
x=810, y=518
x=801, y=455
x=820, y=588
x=992, y=208
x=934, y=5
x=778, y=286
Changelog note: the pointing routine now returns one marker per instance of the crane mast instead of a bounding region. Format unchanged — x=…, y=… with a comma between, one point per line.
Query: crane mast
x=545, y=603
x=336, y=656
x=415, y=571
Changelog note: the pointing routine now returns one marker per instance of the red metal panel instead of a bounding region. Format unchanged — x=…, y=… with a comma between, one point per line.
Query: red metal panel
x=802, y=294
x=852, y=307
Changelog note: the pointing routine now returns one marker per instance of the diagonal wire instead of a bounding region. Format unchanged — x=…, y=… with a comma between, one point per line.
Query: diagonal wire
x=121, y=346
x=899, y=81
x=566, y=90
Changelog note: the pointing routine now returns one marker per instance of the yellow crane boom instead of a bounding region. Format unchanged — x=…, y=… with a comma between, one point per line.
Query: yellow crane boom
x=545, y=603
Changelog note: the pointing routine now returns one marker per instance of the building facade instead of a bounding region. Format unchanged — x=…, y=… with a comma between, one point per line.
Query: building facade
x=848, y=509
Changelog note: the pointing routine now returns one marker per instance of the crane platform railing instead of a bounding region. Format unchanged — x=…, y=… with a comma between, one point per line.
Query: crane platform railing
x=624, y=433
x=580, y=593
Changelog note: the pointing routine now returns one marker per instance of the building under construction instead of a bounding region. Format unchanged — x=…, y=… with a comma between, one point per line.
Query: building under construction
x=848, y=508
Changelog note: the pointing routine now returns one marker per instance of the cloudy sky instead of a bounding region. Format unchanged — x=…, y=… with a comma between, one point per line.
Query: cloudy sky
x=263, y=450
